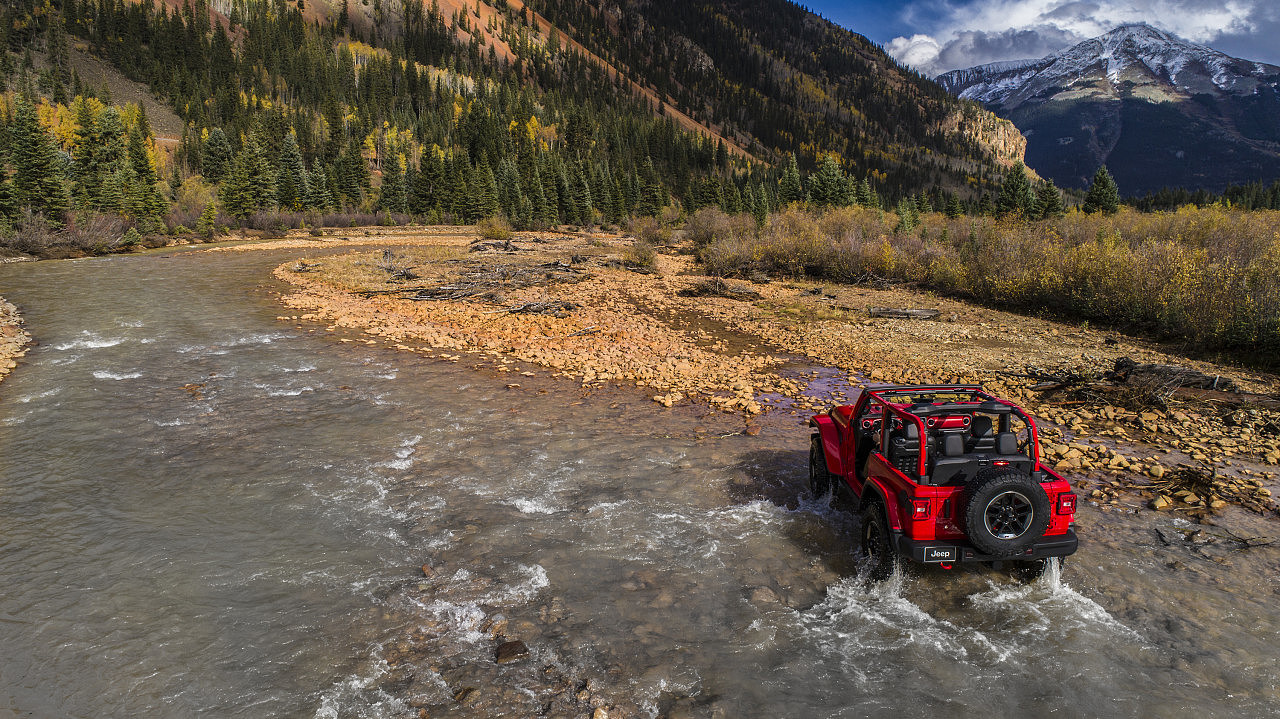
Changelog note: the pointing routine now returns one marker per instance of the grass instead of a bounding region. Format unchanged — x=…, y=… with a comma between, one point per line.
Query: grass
x=364, y=271
x=1207, y=277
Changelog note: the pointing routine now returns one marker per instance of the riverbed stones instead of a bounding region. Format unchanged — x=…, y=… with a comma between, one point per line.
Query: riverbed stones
x=13, y=339
x=512, y=651
x=639, y=330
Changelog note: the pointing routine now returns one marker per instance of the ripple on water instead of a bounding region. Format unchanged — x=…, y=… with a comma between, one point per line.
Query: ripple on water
x=104, y=374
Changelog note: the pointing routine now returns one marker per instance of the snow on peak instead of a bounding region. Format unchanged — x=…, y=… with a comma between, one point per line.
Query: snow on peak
x=1137, y=52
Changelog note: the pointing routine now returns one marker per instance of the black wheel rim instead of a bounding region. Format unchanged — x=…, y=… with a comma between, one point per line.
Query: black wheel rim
x=815, y=477
x=871, y=539
x=1008, y=515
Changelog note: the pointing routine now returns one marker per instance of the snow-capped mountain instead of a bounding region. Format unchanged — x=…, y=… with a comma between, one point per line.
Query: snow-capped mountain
x=1157, y=109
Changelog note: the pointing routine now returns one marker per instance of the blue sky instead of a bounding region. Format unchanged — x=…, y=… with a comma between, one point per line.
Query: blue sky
x=938, y=35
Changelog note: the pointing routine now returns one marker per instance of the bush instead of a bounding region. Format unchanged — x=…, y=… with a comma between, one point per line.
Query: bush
x=494, y=228
x=130, y=239
x=650, y=230
x=642, y=254
x=710, y=224
x=1210, y=277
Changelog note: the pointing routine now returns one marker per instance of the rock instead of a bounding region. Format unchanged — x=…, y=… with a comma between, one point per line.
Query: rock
x=1161, y=502
x=1217, y=504
x=511, y=651
x=1156, y=471
x=1190, y=498
x=764, y=595
x=1263, y=492
x=600, y=713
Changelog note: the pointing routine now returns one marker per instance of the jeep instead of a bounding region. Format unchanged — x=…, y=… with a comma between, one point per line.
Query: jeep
x=943, y=475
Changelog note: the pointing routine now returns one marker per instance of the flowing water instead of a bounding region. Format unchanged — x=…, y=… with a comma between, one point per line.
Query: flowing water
x=205, y=511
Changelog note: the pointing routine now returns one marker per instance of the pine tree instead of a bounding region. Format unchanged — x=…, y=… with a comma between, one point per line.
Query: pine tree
x=908, y=216
x=583, y=203
x=37, y=182
x=216, y=155
x=953, y=207
x=234, y=193
x=8, y=206
x=483, y=200
x=652, y=194
x=423, y=195
x=732, y=198
x=862, y=195
x=318, y=197
x=291, y=183
x=143, y=198
x=1050, y=201
x=1016, y=195
x=1103, y=195
x=251, y=185
x=790, y=188
x=827, y=185
x=509, y=193
x=85, y=156
x=391, y=195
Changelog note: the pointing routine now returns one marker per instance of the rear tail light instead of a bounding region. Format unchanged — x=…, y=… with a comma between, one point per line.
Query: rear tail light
x=1066, y=503
x=920, y=509
x=1000, y=463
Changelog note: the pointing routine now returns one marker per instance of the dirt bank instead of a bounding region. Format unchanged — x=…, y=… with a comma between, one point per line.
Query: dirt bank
x=579, y=307
x=13, y=339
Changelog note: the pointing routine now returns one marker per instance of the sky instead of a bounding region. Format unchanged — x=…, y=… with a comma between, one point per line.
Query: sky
x=934, y=36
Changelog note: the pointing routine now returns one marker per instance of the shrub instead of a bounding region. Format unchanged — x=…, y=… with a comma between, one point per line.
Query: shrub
x=642, y=254
x=1209, y=277
x=130, y=239
x=650, y=230
x=494, y=228
x=710, y=224
x=207, y=225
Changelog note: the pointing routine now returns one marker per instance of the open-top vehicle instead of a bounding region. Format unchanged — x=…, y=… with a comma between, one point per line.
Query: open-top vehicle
x=942, y=475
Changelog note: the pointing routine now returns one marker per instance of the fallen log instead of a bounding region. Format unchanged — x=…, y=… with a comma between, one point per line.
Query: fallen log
x=903, y=314
x=1167, y=376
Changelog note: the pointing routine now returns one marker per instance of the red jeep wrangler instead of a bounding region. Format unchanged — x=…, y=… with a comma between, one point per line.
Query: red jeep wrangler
x=943, y=474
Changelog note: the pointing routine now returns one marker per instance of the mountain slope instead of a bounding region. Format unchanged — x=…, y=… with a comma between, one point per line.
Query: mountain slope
x=776, y=78
x=1156, y=109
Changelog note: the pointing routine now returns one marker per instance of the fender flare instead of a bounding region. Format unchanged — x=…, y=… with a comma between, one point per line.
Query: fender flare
x=877, y=489
x=830, y=437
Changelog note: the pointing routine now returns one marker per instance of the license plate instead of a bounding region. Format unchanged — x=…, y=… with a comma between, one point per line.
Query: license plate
x=940, y=554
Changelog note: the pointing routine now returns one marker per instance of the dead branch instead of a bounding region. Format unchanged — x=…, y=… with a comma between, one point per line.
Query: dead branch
x=903, y=314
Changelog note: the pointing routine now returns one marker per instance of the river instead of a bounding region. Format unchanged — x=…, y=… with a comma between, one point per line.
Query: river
x=205, y=511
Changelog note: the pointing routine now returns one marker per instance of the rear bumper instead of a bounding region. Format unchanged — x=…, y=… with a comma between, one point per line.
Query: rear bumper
x=935, y=551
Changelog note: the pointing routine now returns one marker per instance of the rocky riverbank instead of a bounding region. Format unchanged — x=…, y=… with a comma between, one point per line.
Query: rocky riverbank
x=13, y=338
x=583, y=308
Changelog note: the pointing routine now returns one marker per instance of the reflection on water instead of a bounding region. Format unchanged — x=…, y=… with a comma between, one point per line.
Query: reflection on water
x=205, y=512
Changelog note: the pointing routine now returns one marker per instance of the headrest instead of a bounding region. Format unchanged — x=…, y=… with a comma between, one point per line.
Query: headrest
x=981, y=425
x=1006, y=443
x=952, y=445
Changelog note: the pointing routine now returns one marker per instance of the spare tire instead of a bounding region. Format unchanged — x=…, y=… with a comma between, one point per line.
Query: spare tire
x=1005, y=511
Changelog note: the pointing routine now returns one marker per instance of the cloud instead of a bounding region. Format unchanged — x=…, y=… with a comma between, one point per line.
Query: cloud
x=961, y=33
x=918, y=51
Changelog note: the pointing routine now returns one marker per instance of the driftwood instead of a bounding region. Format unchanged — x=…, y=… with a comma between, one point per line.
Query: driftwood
x=1166, y=376
x=555, y=309
x=900, y=313
x=495, y=245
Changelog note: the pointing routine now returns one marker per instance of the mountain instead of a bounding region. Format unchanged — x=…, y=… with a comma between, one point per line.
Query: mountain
x=776, y=78
x=548, y=112
x=1156, y=109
